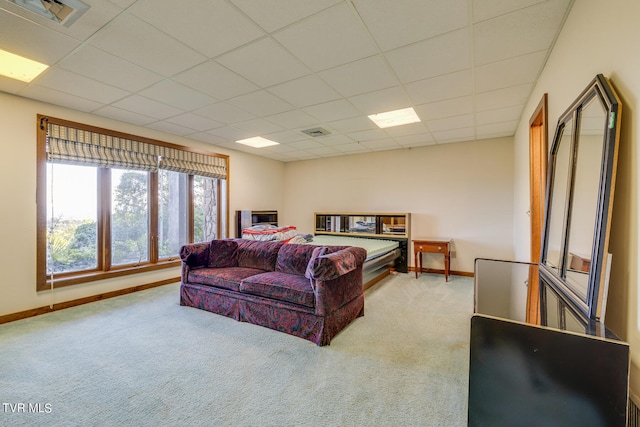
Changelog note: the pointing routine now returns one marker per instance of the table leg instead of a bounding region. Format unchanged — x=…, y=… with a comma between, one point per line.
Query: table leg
x=415, y=262
x=446, y=266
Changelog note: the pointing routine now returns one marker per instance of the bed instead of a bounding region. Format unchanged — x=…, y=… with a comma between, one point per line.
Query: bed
x=382, y=254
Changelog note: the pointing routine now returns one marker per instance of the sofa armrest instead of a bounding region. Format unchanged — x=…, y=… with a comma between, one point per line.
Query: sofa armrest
x=336, y=277
x=323, y=266
x=195, y=255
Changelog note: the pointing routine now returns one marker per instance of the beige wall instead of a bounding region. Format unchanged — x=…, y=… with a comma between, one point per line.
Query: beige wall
x=463, y=191
x=255, y=183
x=598, y=37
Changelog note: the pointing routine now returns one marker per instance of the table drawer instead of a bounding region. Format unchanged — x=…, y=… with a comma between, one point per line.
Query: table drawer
x=430, y=247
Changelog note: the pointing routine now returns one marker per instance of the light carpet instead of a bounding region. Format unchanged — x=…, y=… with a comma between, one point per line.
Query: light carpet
x=143, y=360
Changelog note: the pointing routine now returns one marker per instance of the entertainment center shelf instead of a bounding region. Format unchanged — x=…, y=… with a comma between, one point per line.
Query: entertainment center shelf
x=378, y=225
x=386, y=226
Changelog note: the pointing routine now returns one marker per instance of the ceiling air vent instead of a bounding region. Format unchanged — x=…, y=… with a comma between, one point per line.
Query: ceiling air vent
x=64, y=12
x=315, y=132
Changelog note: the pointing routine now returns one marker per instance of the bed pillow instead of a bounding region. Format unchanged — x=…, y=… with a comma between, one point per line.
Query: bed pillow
x=223, y=254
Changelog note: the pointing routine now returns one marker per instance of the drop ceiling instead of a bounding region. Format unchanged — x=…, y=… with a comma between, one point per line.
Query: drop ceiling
x=221, y=70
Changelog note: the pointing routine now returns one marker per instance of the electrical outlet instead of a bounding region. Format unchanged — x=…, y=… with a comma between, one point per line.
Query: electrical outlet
x=452, y=254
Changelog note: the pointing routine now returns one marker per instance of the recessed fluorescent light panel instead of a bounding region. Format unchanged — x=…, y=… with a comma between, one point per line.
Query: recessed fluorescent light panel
x=257, y=142
x=395, y=118
x=19, y=68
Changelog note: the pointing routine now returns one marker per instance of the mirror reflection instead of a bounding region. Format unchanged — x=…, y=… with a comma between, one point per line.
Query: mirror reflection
x=557, y=207
x=589, y=150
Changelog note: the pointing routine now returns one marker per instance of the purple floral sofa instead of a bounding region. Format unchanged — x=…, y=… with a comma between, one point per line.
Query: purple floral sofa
x=312, y=292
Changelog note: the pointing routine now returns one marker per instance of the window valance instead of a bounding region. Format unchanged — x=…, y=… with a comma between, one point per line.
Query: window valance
x=71, y=145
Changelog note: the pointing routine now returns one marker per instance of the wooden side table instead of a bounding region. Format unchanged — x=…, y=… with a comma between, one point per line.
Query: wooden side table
x=440, y=246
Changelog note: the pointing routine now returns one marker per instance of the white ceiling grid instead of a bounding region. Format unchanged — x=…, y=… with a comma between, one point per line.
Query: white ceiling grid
x=221, y=70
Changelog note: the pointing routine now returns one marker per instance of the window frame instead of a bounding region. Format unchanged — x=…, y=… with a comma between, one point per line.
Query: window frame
x=104, y=269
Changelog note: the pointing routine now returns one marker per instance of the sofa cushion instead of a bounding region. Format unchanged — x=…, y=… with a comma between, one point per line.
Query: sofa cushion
x=256, y=254
x=294, y=258
x=226, y=278
x=280, y=286
x=223, y=253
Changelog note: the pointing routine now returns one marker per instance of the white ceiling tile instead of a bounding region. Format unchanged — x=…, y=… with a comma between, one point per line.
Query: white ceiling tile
x=286, y=136
x=264, y=62
x=107, y=68
x=280, y=148
x=261, y=103
x=292, y=119
x=208, y=138
x=365, y=75
x=124, y=115
x=369, y=135
x=211, y=27
x=446, y=108
x=333, y=140
x=432, y=57
x=514, y=95
x=137, y=41
x=271, y=18
x=258, y=127
x=304, y=145
x=418, y=19
x=63, y=99
x=353, y=148
x=408, y=129
x=322, y=151
x=499, y=115
x=497, y=129
x=26, y=38
x=417, y=140
x=439, y=125
x=215, y=80
x=171, y=128
x=382, y=144
x=230, y=133
x=454, y=85
x=487, y=9
x=525, y=31
x=333, y=110
x=151, y=108
x=195, y=121
x=353, y=125
x=305, y=91
x=75, y=84
x=172, y=93
x=454, y=135
x=510, y=72
x=381, y=101
x=330, y=38
x=11, y=85
x=225, y=113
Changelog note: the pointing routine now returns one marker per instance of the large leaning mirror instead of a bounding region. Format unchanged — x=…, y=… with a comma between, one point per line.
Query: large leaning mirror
x=581, y=181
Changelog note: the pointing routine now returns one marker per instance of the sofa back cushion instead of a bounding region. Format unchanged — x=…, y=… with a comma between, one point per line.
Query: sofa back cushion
x=257, y=254
x=294, y=258
x=223, y=254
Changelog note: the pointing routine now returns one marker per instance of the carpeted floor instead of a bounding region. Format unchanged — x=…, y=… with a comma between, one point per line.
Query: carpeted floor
x=142, y=360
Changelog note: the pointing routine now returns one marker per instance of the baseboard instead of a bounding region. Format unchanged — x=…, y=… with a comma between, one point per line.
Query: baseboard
x=437, y=271
x=73, y=303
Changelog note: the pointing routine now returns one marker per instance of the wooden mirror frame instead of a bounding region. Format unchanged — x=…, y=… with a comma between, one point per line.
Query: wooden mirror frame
x=592, y=304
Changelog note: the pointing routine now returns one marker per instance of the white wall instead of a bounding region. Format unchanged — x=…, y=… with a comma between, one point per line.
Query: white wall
x=598, y=37
x=255, y=182
x=463, y=191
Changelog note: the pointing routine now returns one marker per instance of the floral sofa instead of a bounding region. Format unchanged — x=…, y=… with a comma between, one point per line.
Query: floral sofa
x=312, y=292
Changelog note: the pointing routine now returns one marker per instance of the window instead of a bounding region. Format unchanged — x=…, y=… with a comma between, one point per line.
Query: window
x=111, y=204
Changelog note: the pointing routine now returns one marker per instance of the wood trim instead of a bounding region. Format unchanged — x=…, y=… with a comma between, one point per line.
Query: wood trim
x=73, y=303
x=538, y=165
x=438, y=271
x=91, y=128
